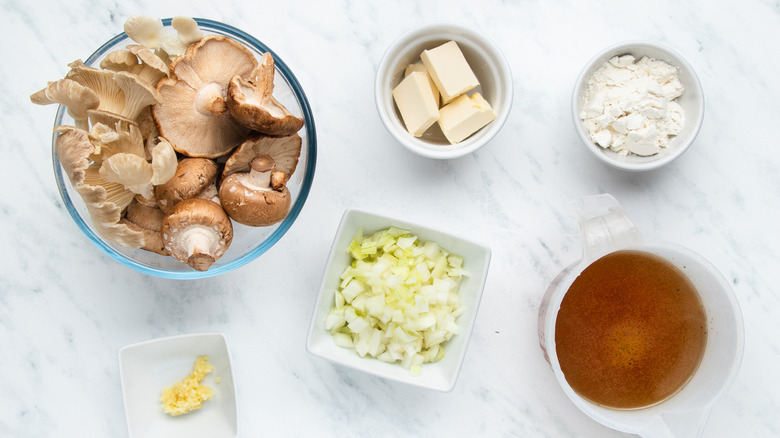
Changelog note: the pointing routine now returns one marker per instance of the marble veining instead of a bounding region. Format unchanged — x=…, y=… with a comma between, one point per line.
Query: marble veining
x=66, y=308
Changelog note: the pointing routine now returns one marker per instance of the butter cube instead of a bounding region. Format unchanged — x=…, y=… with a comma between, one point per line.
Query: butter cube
x=419, y=66
x=464, y=116
x=449, y=70
x=416, y=103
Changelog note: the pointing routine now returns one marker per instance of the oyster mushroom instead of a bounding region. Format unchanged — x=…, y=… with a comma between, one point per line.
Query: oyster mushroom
x=193, y=115
x=147, y=220
x=187, y=32
x=112, y=98
x=121, y=137
x=119, y=60
x=284, y=151
x=252, y=104
x=137, y=60
x=164, y=162
x=193, y=177
x=107, y=118
x=122, y=155
x=150, y=33
x=256, y=198
x=145, y=30
x=139, y=94
x=121, y=93
x=197, y=232
x=104, y=200
x=77, y=98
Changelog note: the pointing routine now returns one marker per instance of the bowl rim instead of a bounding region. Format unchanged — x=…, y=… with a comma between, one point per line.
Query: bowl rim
x=381, y=96
x=295, y=209
x=599, y=152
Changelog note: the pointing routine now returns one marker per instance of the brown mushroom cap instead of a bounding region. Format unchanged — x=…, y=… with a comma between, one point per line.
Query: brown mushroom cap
x=197, y=232
x=143, y=216
x=147, y=220
x=193, y=115
x=193, y=176
x=252, y=104
x=249, y=199
x=285, y=152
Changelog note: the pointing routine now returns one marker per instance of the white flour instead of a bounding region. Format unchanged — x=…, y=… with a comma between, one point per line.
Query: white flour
x=630, y=106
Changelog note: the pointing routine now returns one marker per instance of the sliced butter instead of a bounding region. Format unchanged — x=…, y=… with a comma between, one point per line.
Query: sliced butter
x=449, y=70
x=419, y=66
x=416, y=103
x=464, y=116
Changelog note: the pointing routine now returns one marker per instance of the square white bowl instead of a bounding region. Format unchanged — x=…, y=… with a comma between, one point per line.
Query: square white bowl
x=147, y=367
x=440, y=375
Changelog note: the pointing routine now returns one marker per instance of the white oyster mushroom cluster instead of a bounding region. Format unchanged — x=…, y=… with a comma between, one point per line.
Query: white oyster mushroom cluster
x=157, y=124
x=150, y=33
x=630, y=106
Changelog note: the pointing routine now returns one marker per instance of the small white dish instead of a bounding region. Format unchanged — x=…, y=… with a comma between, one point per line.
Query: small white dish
x=147, y=367
x=484, y=58
x=440, y=375
x=692, y=102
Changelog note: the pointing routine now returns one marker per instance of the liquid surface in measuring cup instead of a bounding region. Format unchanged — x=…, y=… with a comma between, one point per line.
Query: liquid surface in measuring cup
x=631, y=331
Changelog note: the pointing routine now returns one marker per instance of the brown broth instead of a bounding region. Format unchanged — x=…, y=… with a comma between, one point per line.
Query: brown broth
x=631, y=331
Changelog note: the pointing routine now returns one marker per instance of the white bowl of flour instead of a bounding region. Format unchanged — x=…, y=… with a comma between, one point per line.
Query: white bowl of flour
x=637, y=105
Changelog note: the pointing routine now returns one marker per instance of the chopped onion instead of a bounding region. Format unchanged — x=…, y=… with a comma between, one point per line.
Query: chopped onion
x=398, y=300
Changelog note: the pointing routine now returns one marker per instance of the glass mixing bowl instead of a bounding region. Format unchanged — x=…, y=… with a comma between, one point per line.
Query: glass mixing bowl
x=248, y=242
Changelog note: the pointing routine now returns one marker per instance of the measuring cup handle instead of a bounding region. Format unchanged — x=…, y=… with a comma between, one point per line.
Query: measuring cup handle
x=605, y=226
x=685, y=424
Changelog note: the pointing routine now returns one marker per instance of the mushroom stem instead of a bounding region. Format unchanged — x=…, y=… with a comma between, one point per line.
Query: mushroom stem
x=209, y=99
x=197, y=232
x=217, y=106
x=199, y=243
x=260, y=173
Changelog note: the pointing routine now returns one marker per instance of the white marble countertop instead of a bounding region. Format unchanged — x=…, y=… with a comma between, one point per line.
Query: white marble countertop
x=66, y=308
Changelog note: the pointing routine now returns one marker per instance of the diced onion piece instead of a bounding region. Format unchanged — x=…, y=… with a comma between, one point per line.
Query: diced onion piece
x=398, y=300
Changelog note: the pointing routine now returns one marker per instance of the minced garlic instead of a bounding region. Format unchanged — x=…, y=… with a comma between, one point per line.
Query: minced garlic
x=189, y=394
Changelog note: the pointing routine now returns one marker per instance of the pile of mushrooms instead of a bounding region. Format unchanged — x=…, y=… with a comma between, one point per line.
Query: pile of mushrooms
x=174, y=138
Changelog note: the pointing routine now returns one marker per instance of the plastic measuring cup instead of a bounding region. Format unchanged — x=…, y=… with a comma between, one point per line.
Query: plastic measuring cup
x=605, y=229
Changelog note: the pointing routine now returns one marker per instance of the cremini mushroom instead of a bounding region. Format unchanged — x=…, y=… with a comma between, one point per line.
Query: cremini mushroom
x=193, y=115
x=258, y=197
x=147, y=220
x=252, y=104
x=285, y=152
x=197, y=232
x=193, y=177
